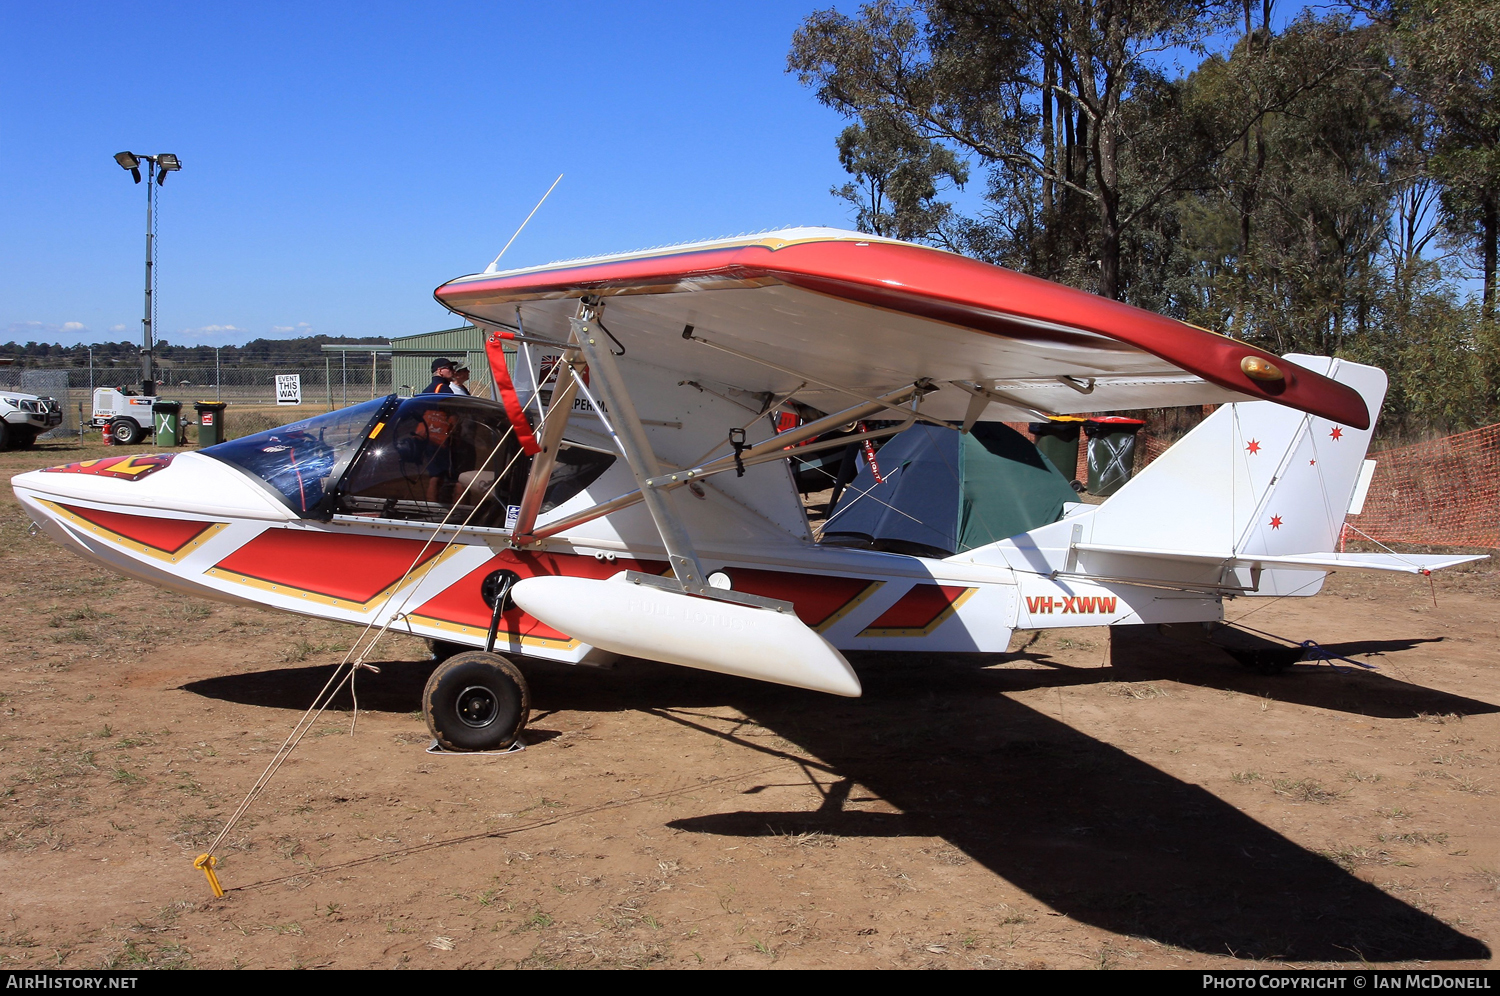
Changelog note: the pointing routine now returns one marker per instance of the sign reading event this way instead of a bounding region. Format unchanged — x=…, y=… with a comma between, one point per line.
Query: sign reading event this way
x=289, y=389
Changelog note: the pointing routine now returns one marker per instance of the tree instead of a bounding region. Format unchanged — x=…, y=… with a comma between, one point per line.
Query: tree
x=1287, y=242
x=1449, y=52
x=898, y=173
x=1457, y=48
x=1042, y=94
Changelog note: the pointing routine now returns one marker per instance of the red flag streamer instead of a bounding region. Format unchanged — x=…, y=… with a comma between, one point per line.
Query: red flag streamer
x=494, y=349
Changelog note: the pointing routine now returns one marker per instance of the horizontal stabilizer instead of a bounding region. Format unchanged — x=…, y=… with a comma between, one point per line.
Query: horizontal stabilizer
x=640, y=620
x=1405, y=563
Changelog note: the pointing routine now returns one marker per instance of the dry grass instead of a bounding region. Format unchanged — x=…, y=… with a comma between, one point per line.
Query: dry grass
x=1304, y=790
x=1136, y=690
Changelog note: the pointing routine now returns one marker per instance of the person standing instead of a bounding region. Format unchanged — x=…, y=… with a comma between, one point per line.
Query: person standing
x=442, y=377
x=460, y=383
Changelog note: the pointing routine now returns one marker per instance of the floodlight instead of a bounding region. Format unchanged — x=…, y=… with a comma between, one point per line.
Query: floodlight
x=166, y=160
x=127, y=160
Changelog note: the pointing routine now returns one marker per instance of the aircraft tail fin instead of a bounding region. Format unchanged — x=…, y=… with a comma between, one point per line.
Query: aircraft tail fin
x=1252, y=500
x=1255, y=478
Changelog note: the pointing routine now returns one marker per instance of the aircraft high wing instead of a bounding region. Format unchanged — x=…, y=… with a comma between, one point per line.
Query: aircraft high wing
x=869, y=315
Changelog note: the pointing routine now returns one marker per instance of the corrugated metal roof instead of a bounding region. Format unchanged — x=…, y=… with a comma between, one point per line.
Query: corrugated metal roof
x=464, y=344
x=465, y=338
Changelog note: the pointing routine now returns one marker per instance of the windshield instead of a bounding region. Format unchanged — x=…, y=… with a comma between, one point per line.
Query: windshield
x=448, y=457
x=302, y=462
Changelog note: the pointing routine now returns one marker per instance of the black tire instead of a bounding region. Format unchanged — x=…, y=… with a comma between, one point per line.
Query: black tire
x=7, y=435
x=127, y=432
x=476, y=701
x=22, y=440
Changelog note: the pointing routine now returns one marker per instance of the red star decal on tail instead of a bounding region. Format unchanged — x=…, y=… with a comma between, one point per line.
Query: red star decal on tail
x=1275, y=522
x=1337, y=433
x=1254, y=446
x=1312, y=463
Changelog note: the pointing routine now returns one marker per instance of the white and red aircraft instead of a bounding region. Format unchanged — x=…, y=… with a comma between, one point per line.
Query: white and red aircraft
x=628, y=494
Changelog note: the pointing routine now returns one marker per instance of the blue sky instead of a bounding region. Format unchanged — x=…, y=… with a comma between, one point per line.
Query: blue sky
x=342, y=160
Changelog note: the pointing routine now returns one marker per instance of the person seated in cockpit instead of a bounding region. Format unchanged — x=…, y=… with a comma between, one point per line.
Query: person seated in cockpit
x=436, y=431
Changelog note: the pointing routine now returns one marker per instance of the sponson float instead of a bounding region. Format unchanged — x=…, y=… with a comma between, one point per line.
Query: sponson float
x=627, y=492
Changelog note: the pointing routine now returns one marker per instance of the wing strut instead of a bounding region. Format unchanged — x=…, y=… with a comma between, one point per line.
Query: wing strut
x=778, y=447
x=553, y=425
x=630, y=434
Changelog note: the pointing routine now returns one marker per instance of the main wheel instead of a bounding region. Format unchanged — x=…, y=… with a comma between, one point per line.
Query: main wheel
x=476, y=701
x=127, y=432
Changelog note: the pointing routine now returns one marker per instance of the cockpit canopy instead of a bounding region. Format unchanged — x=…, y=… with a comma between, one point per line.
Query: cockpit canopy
x=430, y=458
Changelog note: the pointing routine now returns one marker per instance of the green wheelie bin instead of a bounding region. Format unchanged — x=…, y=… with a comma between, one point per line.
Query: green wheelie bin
x=210, y=422
x=1057, y=438
x=166, y=418
x=1111, y=452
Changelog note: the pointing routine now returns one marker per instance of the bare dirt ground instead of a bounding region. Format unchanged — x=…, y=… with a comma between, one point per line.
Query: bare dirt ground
x=1084, y=801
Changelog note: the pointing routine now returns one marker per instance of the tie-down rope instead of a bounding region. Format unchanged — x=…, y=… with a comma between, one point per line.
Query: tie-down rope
x=206, y=861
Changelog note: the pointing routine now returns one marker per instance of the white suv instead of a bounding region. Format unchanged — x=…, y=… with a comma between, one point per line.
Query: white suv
x=23, y=417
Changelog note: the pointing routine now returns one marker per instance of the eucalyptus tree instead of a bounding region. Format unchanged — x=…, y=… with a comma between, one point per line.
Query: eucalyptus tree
x=1452, y=49
x=1065, y=105
x=897, y=178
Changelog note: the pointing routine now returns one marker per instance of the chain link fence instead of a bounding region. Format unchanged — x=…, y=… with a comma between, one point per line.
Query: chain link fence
x=333, y=385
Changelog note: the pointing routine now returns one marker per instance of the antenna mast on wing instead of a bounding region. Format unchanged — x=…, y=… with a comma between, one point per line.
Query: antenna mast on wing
x=494, y=263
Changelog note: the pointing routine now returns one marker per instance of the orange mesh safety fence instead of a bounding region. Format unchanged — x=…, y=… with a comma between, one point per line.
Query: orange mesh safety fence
x=1148, y=447
x=1444, y=492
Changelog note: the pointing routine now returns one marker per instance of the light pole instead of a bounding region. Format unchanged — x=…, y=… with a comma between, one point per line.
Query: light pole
x=157, y=168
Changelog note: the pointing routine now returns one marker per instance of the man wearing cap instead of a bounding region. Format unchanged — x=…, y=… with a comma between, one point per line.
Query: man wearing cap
x=460, y=383
x=442, y=377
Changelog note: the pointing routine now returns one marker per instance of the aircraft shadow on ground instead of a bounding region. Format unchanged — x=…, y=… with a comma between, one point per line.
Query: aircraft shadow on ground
x=397, y=688
x=1085, y=828
x=1082, y=826
x=1143, y=653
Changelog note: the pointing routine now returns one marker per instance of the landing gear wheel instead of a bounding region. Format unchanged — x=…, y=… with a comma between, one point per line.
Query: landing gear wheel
x=476, y=701
x=127, y=432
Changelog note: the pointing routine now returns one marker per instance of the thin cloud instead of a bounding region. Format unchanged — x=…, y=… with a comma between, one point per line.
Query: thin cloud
x=47, y=328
